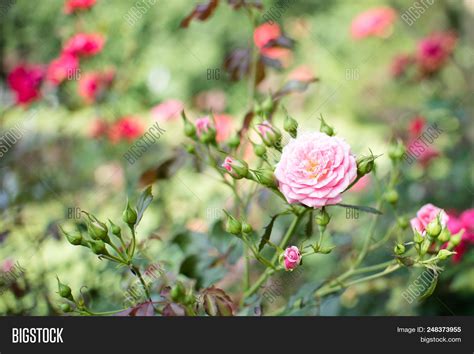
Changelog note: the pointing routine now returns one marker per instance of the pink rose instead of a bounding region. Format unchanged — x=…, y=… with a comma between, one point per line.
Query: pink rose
x=203, y=125
x=84, y=44
x=266, y=33
x=433, y=51
x=425, y=215
x=61, y=68
x=467, y=219
x=25, y=81
x=292, y=257
x=167, y=110
x=127, y=128
x=71, y=6
x=98, y=128
x=315, y=169
x=375, y=22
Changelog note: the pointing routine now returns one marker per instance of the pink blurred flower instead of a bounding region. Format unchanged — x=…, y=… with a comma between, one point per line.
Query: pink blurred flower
x=463, y=222
x=25, y=81
x=127, y=128
x=84, y=44
x=422, y=152
x=315, y=169
x=467, y=219
x=92, y=85
x=400, y=64
x=61, y=68
x=434, y=50
x=361, y=184
x=167, y=110
x=71, y=6
x=203, y=125
x=266, y=33
x=98, y=128
x=416, y=126
x=302, y=73
x=425, y=215
x=292, y=257
x=376, y=22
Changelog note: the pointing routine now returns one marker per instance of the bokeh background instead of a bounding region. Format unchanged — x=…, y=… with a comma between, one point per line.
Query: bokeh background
x=66, y=160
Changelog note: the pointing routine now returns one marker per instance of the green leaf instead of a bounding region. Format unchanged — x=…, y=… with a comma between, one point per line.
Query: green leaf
x=431, y=288
x=361, y=208
x=267, y=233
x=143, y=202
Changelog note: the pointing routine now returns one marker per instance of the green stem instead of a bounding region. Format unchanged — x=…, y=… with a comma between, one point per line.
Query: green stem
x=139, y=275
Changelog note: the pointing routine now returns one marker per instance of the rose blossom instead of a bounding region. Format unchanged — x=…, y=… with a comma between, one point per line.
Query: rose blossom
x=375, y=22
x=98, y=128
x=465, y=222
x=433, y=51
x=292, y=257
x=315, y=169
x=84, y=44
x=167, y=110
x=25, y=81
x=126, y=128
x=92, y=85
x=400, y=64
x=266, y=33
x=223, y=126
x=425, y=215
x=203, y=125
x=71, y=6
x=59, y=69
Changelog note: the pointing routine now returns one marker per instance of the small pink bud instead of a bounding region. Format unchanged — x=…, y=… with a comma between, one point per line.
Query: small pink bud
x=292, y=257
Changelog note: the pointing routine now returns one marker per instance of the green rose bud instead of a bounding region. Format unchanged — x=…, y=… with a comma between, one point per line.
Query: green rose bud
x=456, y=239
x=425, y=245
x=444, y=254
x=246, y=228
x=444, y=236
x=267, y=105
x=65, y=308
x=98, y=247
x=433, y=229
x=322, y=217
x=325, y=128
x=365, y=165
x=129, y=215
x=191, y=149
x=189, y=128
x=177, y=292
x=74, y=238
x=64, y=291
x=290, y=125
x=97, y=229
x=399, y=249
x=402, y=222
x=391, y=196
x=259, y=150
x=233, y=226
x=115, y=229
x=271, y=135
x=396, y=151
x=418, y=238
x=208, y=136
x=265, y=177
x=234, y=142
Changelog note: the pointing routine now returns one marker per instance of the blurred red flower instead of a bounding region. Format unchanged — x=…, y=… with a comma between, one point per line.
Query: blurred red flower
x=71, y=6
x=456, y=224
x=84, y=44
x=61, y=68
x=376, y=22
x=93, y=85
x=434, y=50
x=98, y=128
x=25, y=81
x=127, y=128
x=400, y=64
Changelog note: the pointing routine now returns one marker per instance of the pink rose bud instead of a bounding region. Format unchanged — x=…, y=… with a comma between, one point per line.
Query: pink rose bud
x=270, y=134
x=236, y=168
x=292, y=257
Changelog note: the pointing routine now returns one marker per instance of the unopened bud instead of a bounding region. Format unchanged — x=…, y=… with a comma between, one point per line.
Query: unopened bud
x=74, y=238
x=433, y=229
x=271, y=135
x=444, y=254
x=265, y=177
x=65, y=308
x=98, y=247
x=190, y=148
x=396, y=151
x=267, y=105
x=456, y=239
x=189, y=128
x=64, y=290
x=365, y=164
x=391, y=196
x=290, y=125
x=402, y=222
x=236, y=168
x=399, y=249
x=234, y=142
x=425, y=245
x=322, y=217
x=97, y=229
x=129, y=215
x=259, y=150
x=445, y=235
x=246, y=228
x=325, y=128
x=177, y=292
x=233, y=226
x=418, y=238
x=115, y=229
